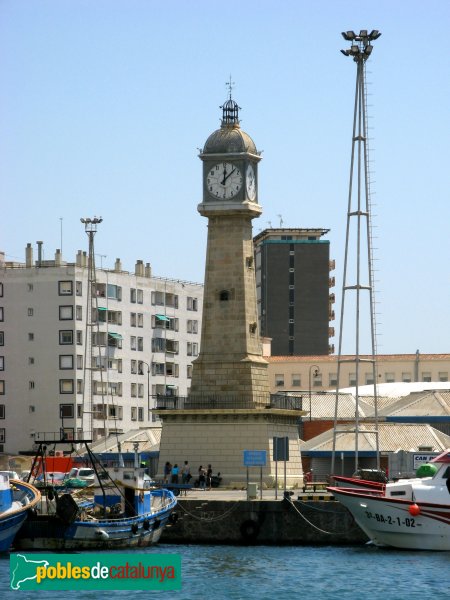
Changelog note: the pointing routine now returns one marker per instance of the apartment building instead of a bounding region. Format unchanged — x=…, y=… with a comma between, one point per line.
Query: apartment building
x=293, y=284
x=145, y=333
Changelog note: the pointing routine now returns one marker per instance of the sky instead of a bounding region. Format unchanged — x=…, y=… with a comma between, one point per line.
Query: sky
x=104, y=105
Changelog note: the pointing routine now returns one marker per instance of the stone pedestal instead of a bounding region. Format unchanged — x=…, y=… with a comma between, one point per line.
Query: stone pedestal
x=219, y=437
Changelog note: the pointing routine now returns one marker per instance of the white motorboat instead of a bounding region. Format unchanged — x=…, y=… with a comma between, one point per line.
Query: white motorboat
x=408, y=513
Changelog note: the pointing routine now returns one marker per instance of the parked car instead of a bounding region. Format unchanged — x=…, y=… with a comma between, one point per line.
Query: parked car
x=10, y=474
x=83, y=473
x=56, y=478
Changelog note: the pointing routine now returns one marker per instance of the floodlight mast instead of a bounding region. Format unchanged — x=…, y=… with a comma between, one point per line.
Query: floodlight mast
x=359, y=211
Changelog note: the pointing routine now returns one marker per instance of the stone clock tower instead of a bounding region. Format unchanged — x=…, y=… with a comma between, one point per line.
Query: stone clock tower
x=230, y=408
x=230, y=368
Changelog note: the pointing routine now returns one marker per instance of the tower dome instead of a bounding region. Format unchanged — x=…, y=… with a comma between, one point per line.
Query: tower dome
x=230, y=138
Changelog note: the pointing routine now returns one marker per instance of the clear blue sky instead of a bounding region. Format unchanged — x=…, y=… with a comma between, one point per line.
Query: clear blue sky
x=104, y=103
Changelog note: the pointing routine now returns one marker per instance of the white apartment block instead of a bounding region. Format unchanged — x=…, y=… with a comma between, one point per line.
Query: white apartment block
x=145, y=334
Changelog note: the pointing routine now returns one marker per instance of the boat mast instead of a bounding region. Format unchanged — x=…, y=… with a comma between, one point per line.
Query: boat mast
x=358, y=225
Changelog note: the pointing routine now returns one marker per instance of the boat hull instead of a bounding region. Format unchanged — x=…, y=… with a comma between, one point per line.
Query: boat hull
x=48, y=532
x=388, y=521
x=23, y=498
x=9, y=526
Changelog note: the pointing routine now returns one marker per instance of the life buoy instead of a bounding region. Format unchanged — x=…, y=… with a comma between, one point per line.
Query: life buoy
x=249, y=530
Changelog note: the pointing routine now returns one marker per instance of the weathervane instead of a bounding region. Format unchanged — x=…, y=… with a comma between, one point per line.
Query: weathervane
x=230, y=85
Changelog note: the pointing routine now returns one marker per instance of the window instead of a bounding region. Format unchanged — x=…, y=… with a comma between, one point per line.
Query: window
x=133, y=319
x=443, y=376
x=115, y=388
x=133, y=413
x=2, y=338
x=79, y=288
x=192, y=349
x=192, y=326
x=224, y=296
x=172, y=369
x=426, y=376
x=66, y=411
x=65, y=288
x=2, y=314
x=2, y=387
x=390, y=377
x=140, y=296
x=133, y=342
x=79, y=338
x=352, y=379
x=30, y=312
x=2, y=436
x=80, y=386
x=140, y=413
x=31, y=385
x=115, y=412
x=2, y=411
x=279, y=380
x=172, y=300
x=140, y=390
x=133, y=367
x=140, y=320
x=1, y=290
x=133, y=296
x=30, y=337
x=192, y=303
x=79, y=361
x=140, y=368
x=158, y=368
x=189, y=372
x=140, y=344
x=172, y=347
x=65, y=336
x=31, y=360
x=158, y=298
x=296, y=380
x=2, y=363
x=65, y=313
x=67, y=433
x=114, y=292
x=66, y=361
x=406, y=377
x=332, y=379
x=66, y=386
x=158, y=344
x=317, y=380
x=100, y=387
x=369, y=378
x=79, y=312
x=30, y=287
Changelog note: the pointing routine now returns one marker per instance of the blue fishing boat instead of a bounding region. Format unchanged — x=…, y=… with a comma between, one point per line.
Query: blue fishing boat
x=17, y=498
x=119, y=510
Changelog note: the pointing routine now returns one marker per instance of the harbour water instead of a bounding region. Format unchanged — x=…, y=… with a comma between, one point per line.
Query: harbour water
x=268, y=572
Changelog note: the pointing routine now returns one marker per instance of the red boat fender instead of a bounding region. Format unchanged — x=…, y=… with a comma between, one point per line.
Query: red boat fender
x=414, y=510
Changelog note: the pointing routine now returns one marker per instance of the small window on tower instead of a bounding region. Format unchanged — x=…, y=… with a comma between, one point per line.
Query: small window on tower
x=224, y=296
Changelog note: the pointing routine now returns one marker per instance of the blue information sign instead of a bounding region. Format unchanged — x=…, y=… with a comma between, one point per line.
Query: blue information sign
x=255, y=458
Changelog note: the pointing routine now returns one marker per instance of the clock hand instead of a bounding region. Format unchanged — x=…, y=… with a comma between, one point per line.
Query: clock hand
x=230, y=173
x=224, y=175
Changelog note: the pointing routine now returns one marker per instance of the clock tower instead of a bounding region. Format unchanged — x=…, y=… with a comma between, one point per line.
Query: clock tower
x=230, y=408
x=230, y=367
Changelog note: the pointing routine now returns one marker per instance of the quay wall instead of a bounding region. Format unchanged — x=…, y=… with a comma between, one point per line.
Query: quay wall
x=249, y=522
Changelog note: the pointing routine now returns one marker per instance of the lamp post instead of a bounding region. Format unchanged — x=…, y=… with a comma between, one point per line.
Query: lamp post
x=148, y=387
x=316, y=372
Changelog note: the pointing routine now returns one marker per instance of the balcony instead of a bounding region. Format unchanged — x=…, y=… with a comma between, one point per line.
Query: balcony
x=277, y=401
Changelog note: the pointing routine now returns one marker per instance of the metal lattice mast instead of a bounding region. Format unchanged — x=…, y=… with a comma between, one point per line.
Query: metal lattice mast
x=90, y=226
x=359, y=224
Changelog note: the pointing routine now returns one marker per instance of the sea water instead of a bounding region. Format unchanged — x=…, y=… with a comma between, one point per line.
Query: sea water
x=294, y=572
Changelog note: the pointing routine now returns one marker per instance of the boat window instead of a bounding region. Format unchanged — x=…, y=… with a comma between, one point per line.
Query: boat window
x=446, y=474
x=402, y=493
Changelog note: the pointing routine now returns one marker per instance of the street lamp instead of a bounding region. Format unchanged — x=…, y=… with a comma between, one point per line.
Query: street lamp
x=148, y=387
x=316, y=372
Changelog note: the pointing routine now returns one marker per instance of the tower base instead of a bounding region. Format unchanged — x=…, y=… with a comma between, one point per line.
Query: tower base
x=219, y=437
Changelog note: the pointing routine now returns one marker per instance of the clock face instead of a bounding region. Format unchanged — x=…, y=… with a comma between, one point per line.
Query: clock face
x=250, y=183
x=224, y=180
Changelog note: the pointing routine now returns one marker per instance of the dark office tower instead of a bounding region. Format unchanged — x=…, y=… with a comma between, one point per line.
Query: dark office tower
x=293, y=290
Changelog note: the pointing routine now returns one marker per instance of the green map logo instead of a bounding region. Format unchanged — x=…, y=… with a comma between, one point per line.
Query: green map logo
x=95, y=571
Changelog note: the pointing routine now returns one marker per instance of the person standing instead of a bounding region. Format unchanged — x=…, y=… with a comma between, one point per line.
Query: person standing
x=167, y=471
x=209, y=477
x=202, y=477
x=175, y=472
x=186, y=474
